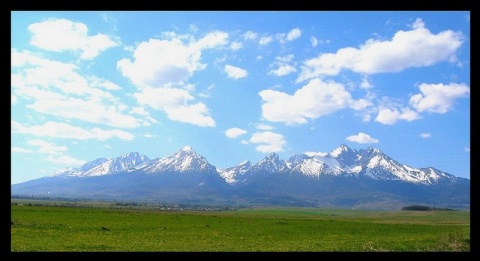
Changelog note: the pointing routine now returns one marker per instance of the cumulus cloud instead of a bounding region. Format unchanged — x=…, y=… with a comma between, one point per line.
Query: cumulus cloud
x=425, y=135
x=250, y=35
x=361, y=138
x=235, y=72
x=390, y=116
x=269, y=141
x=283, y=65
x=415, y=48
x=48, y=148
x=294, y=34
x=57, y=89
x=175, y=103
x=64, y=35
x=265, y=40
x=66, y=160
x=178, y=60
x=438, y=98
x=66, y=131
x=315, y=99
x=234, y=132
x=236, y=46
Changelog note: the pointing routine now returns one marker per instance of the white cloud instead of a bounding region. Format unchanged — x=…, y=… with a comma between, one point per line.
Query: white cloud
x=47, y=148
x=65, y=131
x=269, y=141
x=265, y=40
x=262, y=126
x=425, y=135
x=175, y=103
x=86, y=110
x=361, y=138
x=234, y=132
x=235, y=72
x=21, y=150
x=149, y=135
x=283, y=67
x=178, y=61
x=57, y=89
x=258, y=58
x=236, y=46
x=14, y=99
x=64, y=35
x=365, y=84
x=283, y=70
x=250, y=35
x=390, y=116
x=315, y=99
x=108, y=146
x=467, y=149
x=313, y=41
x=294, y=34
x=211, y=40
x=438, y=98
x=415, y=48
x=66, y=160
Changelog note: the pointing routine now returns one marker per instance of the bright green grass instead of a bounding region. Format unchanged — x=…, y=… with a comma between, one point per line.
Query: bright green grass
x=54, y=228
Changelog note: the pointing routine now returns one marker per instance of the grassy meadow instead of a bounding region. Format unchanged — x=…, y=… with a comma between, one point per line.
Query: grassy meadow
x=102, y=228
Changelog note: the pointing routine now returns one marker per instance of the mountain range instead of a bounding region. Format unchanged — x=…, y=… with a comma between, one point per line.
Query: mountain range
x=344, y=178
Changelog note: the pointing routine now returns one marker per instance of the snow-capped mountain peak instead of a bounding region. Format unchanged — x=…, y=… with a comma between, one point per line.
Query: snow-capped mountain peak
x=184, y=160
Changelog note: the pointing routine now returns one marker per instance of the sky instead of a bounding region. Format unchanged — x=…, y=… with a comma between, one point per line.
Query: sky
x=238, y=85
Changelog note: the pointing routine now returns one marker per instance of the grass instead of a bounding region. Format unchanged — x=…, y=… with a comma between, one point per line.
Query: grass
x=98, y=229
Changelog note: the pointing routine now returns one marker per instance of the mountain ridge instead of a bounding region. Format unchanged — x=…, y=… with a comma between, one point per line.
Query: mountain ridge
x=343, y=177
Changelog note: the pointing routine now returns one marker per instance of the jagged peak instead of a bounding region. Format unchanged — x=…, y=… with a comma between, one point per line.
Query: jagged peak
x=343, y=148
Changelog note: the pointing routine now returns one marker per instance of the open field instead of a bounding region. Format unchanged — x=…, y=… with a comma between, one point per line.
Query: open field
x=102, y=227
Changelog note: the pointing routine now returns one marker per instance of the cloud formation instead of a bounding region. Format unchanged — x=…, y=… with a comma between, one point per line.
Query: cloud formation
x=415, y=48
x=66, y=131
x=438, y=98
x=425, y=135
x=315, y=99
x=57, y=89
x=234, y=132
x=64, y=35
x=361, y=138
x=66, y=160
x=235, y=72
x=269, y=141
x=283, y=66
x=157, y=63
x=45, y=147
x=176, y=104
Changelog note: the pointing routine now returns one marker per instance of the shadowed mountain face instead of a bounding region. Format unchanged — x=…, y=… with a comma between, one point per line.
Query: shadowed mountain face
x=342, y=178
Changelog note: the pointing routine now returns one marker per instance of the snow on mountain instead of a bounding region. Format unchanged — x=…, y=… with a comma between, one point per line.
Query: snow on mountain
x=371, y=163
x=184, y=160
x=345, y=155
x=116, y=165
x=233, y=174
x=103, y=166
x=270, y=164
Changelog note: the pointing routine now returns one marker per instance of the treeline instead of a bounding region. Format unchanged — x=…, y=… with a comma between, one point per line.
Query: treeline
x=425, y=208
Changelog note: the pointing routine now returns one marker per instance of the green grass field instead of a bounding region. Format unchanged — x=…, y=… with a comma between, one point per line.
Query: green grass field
x=99, y=227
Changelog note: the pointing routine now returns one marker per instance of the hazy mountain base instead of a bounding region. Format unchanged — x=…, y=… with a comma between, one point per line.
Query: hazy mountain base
x=273, y=189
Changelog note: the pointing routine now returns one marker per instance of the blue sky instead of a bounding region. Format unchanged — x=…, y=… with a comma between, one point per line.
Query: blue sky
x=237, y=85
